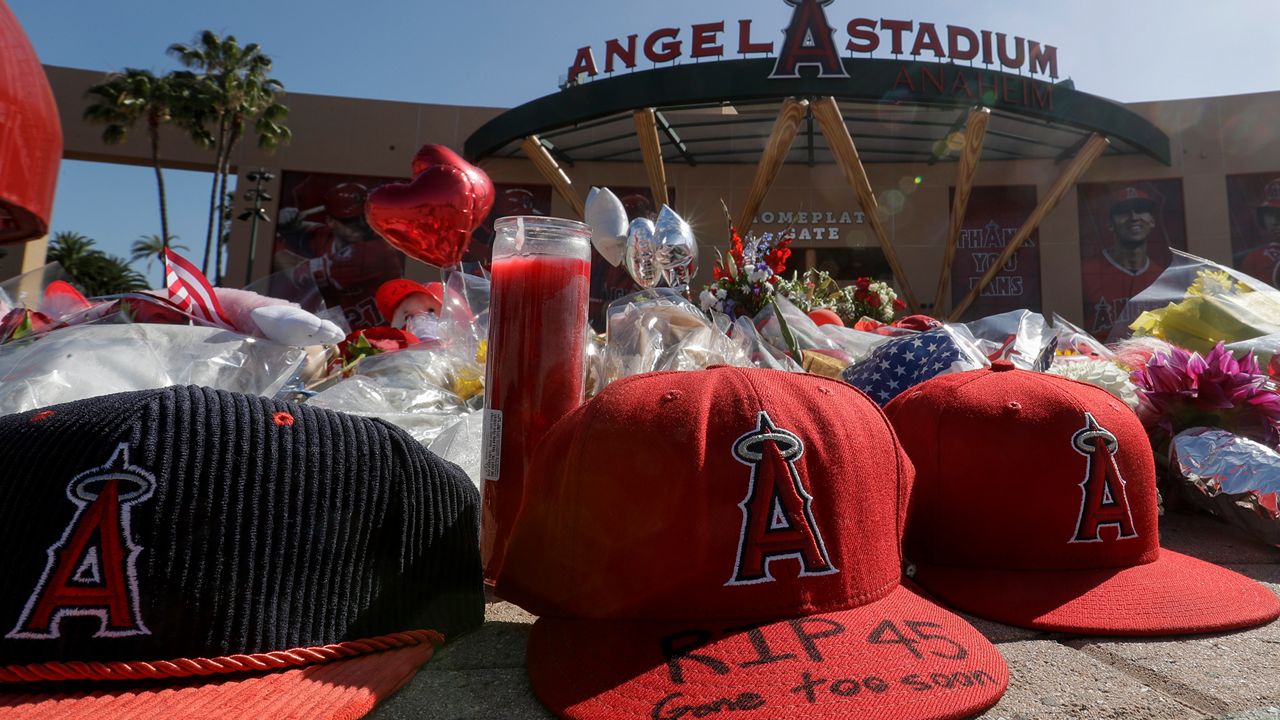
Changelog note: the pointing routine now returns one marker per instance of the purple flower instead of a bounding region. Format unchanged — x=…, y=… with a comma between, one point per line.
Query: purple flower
x=1180, y=389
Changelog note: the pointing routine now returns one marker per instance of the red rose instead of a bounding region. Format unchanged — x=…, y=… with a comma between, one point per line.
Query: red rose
x=874, y=300
x=861, y=294
x=898, y=304
x=862, y=283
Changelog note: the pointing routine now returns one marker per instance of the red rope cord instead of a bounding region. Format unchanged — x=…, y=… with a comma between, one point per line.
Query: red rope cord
x=194, y=667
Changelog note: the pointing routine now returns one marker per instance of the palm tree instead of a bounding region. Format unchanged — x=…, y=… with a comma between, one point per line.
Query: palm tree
x=151, y=248
x=93, y=271
x=69, y=249
x=126, y=97
x=237, y=89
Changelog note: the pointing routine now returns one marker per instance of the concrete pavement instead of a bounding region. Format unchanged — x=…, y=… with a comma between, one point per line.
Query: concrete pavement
x=1054, y=676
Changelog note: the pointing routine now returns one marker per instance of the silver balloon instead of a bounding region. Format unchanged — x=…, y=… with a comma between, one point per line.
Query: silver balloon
x=642, y=261
x=677, y=249
x=608, y=220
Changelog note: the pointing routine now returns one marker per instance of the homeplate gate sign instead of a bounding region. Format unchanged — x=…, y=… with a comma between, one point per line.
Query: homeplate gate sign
x=809, y=40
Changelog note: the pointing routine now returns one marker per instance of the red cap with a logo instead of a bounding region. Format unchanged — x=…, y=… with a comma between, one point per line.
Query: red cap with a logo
x=1271, y=195
x=1035, y=505
x=728, y=541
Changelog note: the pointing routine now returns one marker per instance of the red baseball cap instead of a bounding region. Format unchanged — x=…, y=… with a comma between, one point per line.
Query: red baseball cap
x=1035, y=505
x=730, y=539
x=1132, y=198
x=1271, y=195
x=346, y=201
x=191, y=552
x=393, y=292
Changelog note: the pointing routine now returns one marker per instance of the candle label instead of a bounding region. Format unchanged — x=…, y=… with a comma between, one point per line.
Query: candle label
x=492, y=434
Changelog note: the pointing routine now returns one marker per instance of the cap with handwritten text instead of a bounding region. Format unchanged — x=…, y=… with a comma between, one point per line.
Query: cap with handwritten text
x=1035, y=505
x=726, y=543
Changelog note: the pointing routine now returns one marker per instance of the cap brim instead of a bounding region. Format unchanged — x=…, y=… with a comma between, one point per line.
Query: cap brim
x=899, y=657
x=1173, y=595
x=339, y=689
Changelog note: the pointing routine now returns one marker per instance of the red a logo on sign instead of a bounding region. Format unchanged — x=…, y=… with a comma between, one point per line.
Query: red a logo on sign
x=810, y=40
x=1104, y=501
x=777, y=517
x=92, y=568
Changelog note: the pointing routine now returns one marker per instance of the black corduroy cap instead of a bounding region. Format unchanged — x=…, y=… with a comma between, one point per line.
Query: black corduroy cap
x=188, y=532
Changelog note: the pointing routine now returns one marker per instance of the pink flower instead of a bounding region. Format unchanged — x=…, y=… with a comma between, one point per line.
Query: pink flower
x=1180, y=389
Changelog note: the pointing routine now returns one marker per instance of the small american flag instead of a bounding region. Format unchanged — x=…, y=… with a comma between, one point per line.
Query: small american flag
x=906, y=361
x=190, y=290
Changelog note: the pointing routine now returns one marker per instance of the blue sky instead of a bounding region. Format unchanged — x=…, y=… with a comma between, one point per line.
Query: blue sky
x=503, y=53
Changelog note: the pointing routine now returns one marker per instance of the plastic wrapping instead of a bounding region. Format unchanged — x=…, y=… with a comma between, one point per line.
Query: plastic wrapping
x=904, y=362
x=758, y=351
x=1197, y=303
x=1019, y=336
x=459, y=443
x=1231, y=477
x=1073, y=340
x=804, y=331
x=413, y=388
x=856, y=345
x=98, y=359
x=659, y=329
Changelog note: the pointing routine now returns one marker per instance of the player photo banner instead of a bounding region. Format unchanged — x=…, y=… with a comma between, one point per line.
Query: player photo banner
x=1126, y=230
x=992, y=218
x=1253, y=203
x=322, y=237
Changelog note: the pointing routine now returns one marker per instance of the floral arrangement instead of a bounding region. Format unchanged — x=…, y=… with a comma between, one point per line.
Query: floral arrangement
x=369, y=341
x=1102, y=373
x=1179, y=389
x=746, y=281
x=816, y=289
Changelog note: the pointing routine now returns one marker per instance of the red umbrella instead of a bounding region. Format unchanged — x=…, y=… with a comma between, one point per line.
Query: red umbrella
x=30, y=137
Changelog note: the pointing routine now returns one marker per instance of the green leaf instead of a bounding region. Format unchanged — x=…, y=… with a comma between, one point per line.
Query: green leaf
x=787, y=337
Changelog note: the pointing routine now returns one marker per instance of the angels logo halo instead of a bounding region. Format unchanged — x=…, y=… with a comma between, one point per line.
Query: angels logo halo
x=1035, y=505
x=1103, y=498
x=727, y=540
x=809, y=40
x=777, y=517
x=92, y=568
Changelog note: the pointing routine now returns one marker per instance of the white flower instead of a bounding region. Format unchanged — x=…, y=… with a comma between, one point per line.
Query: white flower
x=1102, y=373
x=721, y=293
x=707, y=300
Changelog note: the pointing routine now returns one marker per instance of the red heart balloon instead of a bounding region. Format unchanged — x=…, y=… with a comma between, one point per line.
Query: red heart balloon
x=430, y=155
x=430, y=218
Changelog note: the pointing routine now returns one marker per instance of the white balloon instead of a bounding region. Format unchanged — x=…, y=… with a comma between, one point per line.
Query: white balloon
x=608, y=220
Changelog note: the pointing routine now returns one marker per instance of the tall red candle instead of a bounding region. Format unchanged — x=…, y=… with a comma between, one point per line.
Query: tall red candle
x=537, y=324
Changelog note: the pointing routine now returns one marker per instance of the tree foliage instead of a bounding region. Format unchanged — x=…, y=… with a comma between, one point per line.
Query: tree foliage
x=238, y=96
x=94, y=272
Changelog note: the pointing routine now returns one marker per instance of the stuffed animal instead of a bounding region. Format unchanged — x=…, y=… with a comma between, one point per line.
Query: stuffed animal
x=249, y=313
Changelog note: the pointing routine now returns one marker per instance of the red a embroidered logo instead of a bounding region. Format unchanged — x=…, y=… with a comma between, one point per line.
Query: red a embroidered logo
x=1104, y=499
x=92, y=567
x=777, y=517
x=809, y=40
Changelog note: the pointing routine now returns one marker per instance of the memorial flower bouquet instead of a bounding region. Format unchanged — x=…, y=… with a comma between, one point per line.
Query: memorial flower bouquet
x=1179, y=389
x=816, y=289
x=746, y=280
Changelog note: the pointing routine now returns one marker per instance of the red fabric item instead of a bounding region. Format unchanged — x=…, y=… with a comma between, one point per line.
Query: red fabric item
x=338, y=690
x=1035, y=505
x=393, y=292
x=757, y=510
x=31, y=144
